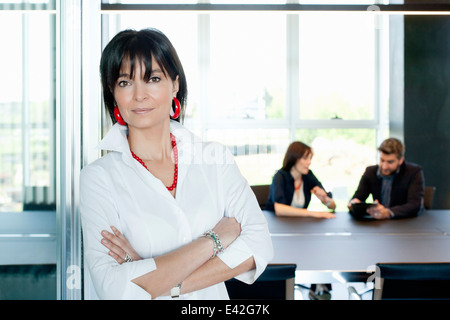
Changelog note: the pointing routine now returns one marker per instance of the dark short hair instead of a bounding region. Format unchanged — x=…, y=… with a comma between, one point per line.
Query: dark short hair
x=392, y=146
x=140, y=46
x=295, y=151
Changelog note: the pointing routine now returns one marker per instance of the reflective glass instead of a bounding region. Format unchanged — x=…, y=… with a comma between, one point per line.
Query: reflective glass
x=27, y=105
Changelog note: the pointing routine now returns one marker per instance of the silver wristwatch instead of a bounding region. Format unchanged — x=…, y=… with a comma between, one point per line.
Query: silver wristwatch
x=175, y=291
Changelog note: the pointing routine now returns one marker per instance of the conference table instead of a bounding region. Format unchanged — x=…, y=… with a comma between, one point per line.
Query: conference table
x=346, y=250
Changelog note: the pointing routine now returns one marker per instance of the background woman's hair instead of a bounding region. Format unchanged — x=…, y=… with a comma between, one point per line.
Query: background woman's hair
x=139, y=47
x=295, y=151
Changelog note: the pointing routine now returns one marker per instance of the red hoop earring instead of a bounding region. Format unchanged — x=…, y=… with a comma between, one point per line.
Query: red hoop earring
x=175, y=112
x=118, y=116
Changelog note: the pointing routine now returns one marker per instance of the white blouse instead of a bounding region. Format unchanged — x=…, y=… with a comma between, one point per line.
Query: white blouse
x=298, y=200
x=118, y=191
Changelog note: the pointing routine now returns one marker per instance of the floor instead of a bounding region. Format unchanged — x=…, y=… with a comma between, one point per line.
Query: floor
x=340, y=291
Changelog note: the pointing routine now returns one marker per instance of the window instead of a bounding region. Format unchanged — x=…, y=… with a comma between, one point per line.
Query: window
x=340, y=100
x=258, y=152
x=336, y=66
x=247, y=66
x=27, y=105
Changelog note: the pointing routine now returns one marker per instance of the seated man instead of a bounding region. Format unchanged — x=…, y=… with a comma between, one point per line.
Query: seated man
x=397, y=186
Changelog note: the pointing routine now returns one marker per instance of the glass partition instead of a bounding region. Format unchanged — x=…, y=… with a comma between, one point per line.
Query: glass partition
x=27, y=105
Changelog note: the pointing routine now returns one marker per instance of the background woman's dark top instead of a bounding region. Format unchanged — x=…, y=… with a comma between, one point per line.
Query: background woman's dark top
x=282, y=188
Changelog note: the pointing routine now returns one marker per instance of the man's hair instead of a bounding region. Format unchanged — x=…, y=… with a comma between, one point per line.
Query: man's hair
x=392, y=146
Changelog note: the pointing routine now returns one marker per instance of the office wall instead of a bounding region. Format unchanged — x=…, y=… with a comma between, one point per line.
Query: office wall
x=427, y=100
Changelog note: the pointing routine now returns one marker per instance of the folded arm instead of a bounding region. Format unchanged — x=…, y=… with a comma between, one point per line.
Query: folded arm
x=190, y=265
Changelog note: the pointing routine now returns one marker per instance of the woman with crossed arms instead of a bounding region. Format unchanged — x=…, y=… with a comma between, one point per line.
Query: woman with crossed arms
x=164, y=215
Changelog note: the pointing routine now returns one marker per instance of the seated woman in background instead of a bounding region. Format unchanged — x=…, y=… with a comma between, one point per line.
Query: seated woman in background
x=292, y=185
x=290, y=195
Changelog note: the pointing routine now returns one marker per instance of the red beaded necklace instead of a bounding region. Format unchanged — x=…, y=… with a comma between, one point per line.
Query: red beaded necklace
x=175, y=153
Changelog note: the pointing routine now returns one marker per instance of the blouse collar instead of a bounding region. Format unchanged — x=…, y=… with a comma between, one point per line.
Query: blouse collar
x=187, y=143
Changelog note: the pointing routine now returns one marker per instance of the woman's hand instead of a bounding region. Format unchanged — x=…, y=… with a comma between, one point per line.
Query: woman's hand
x=118, y=245
x=228, y=230
x=320, y=194
x=323, y=214
x=323, y=197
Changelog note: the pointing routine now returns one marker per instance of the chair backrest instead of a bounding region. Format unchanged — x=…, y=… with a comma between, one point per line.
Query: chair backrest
x=412, y=281
x=428, y=197
x=262, y=193
x=276, y=282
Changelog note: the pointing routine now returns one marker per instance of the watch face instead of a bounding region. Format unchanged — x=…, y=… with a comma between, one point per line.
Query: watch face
x=175, y=291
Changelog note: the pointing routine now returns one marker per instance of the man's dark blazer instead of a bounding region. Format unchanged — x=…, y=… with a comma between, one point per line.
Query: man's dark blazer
x=406, y=193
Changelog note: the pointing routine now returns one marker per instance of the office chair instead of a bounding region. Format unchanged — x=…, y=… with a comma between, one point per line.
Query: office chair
x=412, y=281
x=262, y=193
x=428, y=197
x=276, y=282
